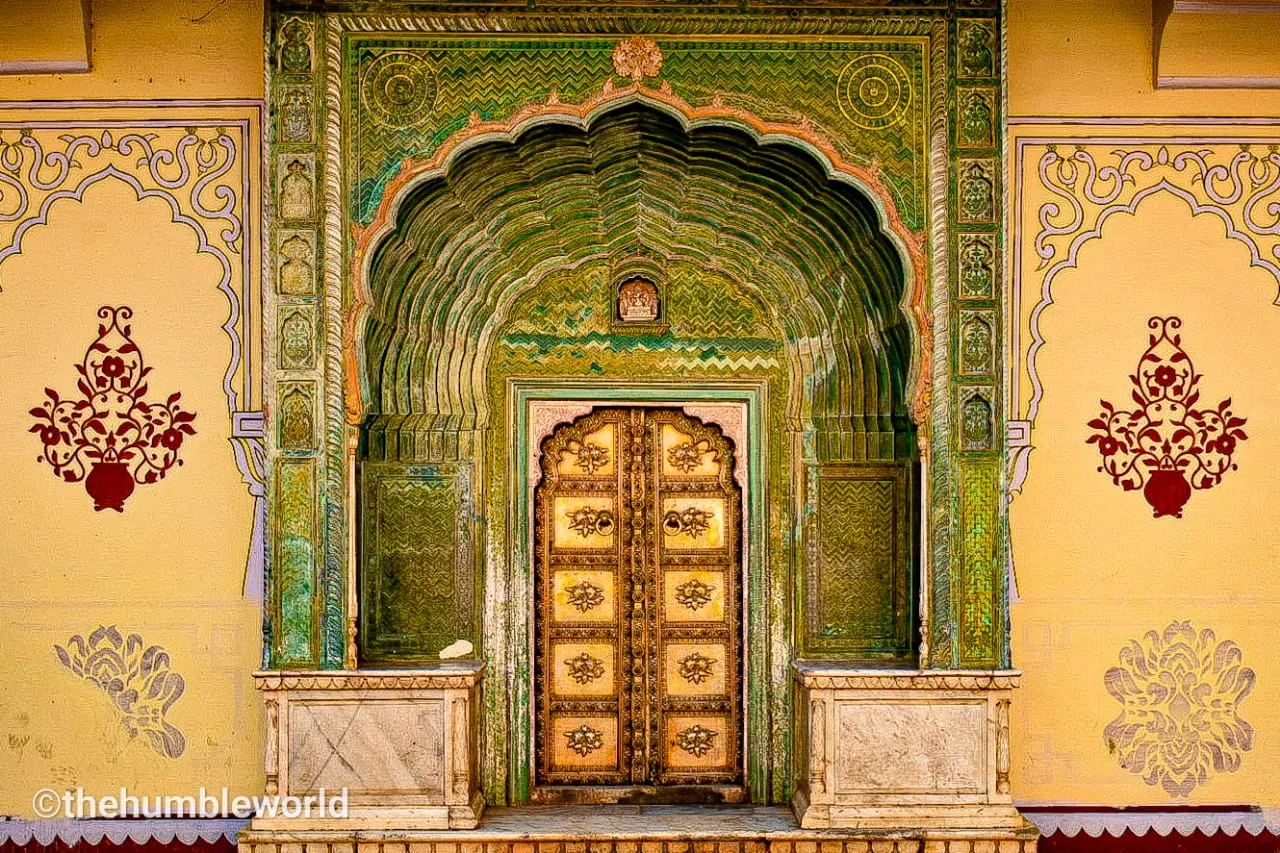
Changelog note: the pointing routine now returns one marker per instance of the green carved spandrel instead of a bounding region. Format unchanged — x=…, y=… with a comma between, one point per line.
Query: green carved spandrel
x=865, y=94
x=296, y=563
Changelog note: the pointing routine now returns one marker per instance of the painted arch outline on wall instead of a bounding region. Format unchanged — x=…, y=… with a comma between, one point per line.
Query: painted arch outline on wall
x=1102, y=177
x=189, y=172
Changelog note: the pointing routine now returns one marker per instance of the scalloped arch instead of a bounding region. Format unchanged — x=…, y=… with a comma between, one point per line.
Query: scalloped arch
x=459, y=239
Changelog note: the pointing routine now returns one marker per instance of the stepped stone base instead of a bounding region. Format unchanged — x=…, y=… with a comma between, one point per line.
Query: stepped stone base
x=640, y=829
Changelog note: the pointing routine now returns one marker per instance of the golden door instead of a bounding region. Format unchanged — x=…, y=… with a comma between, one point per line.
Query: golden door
x=638, y=603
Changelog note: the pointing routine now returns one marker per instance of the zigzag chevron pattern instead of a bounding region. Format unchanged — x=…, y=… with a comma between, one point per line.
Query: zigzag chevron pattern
x=495, y=78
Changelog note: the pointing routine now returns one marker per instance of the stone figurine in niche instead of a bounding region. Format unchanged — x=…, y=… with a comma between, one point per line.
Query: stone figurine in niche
x=1165, y=445
x=112, y=438
x=638, y=302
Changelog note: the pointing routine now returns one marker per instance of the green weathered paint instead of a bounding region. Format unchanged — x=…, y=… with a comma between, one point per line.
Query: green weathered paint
x=296, y=560
x=750, y=233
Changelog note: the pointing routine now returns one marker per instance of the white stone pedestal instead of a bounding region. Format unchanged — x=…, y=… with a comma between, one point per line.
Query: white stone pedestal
x=881, y=749
x=402, y=743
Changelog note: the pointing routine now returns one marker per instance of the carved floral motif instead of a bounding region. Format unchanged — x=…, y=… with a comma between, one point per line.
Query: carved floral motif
x=584, y=595
x=1165, y=445
x=590, y=457
x=690, y=521
x=688, y=455
x=584, y=740
x=637, y=58
x=584, y=668
x=695, y=740
x=124, y=439
x=695, y=668
x=694, y=594
x=588, y=520
x=136, y=678
x=1181, y=693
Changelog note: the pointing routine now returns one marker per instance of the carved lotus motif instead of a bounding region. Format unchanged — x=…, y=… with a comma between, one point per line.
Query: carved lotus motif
x=584, y=595
x=694, y=594
x=696, y=740
x=688, y=455
x=587, y=520
x=584, y=668
x=584, y=740
x=695, y=668
x=1181, y=693
x=590, y=457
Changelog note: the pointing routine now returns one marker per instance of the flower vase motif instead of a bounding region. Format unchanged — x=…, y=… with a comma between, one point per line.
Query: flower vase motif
x=112, y=438
x=1165, y=445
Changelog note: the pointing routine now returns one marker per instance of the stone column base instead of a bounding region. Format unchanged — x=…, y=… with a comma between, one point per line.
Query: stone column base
x=907, y=750
x=401, y=744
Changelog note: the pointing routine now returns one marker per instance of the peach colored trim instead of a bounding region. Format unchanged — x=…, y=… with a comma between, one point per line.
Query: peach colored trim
x=410, y=170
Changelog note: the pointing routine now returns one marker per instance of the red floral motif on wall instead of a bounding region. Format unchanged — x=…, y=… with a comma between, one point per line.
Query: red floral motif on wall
x=111, y=437
x=1166, y=446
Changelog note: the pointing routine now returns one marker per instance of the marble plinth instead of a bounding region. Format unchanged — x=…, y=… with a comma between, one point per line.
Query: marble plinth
x=881, y=749
x=403, y=745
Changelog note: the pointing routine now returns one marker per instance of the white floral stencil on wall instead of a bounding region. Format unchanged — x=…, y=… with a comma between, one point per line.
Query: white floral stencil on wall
x=136, y=678
x=1181, y=692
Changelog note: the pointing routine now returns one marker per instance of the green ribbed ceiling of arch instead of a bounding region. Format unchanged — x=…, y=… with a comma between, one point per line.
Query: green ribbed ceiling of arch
x=635, y=181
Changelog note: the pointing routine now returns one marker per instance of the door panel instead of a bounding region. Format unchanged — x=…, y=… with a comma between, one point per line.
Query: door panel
x=638, y=618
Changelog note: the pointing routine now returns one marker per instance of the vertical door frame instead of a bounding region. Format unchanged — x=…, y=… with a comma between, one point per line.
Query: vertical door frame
x=761, y=635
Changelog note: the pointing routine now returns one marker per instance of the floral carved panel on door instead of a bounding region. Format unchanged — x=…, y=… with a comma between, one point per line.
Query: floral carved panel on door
x=1166, y=446
x=112, y=438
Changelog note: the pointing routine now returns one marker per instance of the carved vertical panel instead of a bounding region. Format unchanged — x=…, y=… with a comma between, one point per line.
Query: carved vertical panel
x=271, y=754
x=981, y=635
x=297, y=545
x=977, y=262
x=295, y=416
x=295, y=315
x=858, y=586
x=417, y=588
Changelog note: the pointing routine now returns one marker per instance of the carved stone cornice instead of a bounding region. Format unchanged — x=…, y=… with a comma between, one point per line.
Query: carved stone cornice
x=824, y=677
x=452, y=677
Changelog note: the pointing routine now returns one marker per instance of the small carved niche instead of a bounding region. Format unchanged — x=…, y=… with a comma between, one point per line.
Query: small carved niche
x=637, y=294
x=638, y=302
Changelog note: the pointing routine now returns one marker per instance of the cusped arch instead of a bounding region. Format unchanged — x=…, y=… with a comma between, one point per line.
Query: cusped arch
x=458, y=242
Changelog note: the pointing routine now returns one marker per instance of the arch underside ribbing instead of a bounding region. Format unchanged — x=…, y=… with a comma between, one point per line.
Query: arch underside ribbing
x=635, y=181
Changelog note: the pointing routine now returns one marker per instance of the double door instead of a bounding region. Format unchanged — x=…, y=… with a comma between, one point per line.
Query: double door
x=638, y=625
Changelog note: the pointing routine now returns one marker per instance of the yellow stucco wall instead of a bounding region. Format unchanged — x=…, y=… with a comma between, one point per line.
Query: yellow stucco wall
x=1094, y=569
x=121, y=224
x=1093, y=255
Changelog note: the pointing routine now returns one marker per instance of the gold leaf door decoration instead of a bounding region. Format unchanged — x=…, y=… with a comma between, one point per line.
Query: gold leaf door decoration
x=638, y=608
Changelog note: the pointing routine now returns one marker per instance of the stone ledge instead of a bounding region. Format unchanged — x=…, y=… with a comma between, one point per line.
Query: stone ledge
x=1021, y=842
x=445, y=676
x=825, y=676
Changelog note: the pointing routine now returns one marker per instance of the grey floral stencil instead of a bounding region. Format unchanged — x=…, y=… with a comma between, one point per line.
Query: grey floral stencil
x=1181, y=693
x=136, y=678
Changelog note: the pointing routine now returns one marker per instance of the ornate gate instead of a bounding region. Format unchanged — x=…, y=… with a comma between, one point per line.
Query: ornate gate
x=639, y=627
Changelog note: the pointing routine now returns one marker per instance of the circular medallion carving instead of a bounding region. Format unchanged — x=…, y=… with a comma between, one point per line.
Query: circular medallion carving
x=874, y=91
x=398, y=89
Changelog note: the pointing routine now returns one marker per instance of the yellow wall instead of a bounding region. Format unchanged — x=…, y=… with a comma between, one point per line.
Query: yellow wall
x=1094, y=568
x=171, y=567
